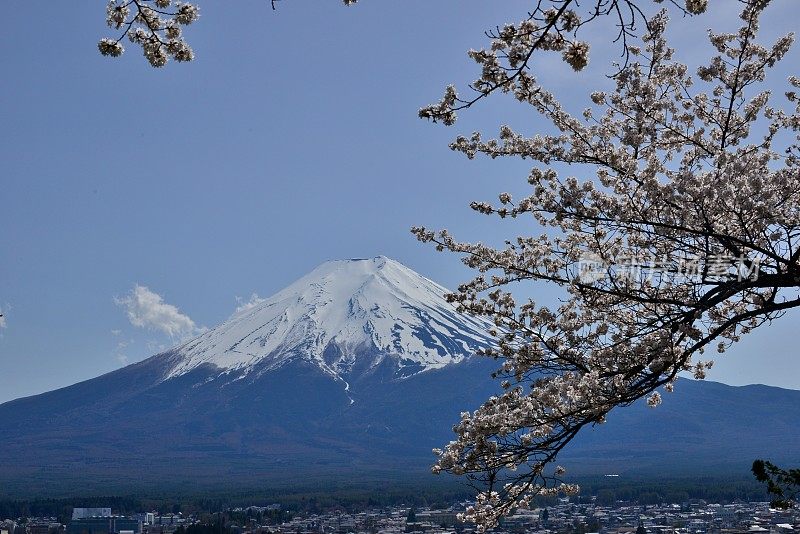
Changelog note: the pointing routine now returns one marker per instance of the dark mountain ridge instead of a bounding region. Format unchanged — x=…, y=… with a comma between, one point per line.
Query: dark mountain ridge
x=353, y=373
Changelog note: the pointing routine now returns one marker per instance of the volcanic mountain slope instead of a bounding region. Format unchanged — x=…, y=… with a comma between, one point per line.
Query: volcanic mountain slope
x=357, y=364
x=356, y=370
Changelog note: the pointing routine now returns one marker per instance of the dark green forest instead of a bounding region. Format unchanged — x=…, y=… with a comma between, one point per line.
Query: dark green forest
x=602, y=490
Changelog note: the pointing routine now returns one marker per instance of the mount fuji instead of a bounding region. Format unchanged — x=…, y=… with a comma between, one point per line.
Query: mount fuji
x=355, y=371
x=348, y=318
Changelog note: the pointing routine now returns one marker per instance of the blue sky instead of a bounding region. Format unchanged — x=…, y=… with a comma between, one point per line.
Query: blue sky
x=291, y=140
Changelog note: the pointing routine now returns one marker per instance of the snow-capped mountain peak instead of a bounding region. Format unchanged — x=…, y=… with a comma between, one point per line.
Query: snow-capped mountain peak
x=347, y=317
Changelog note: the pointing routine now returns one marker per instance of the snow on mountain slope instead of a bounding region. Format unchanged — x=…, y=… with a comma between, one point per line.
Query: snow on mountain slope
x=347, y=317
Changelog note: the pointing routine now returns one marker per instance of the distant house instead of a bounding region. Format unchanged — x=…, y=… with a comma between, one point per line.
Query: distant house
x=100, y=521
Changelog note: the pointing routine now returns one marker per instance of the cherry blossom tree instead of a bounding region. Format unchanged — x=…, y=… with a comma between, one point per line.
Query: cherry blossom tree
x=675, y=233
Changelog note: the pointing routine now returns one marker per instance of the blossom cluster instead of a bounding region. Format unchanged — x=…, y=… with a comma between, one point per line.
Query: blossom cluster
x=154, y=25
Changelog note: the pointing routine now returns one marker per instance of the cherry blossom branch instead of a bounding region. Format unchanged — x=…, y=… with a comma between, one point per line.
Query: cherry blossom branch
x=547, y=28
x=155, y=25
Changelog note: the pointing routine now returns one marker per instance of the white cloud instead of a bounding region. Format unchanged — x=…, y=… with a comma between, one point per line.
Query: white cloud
x=119, y=352
x=2, y=319
x=154, y=346
x=254, y=301
x=116, y=332
x=147, y=309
